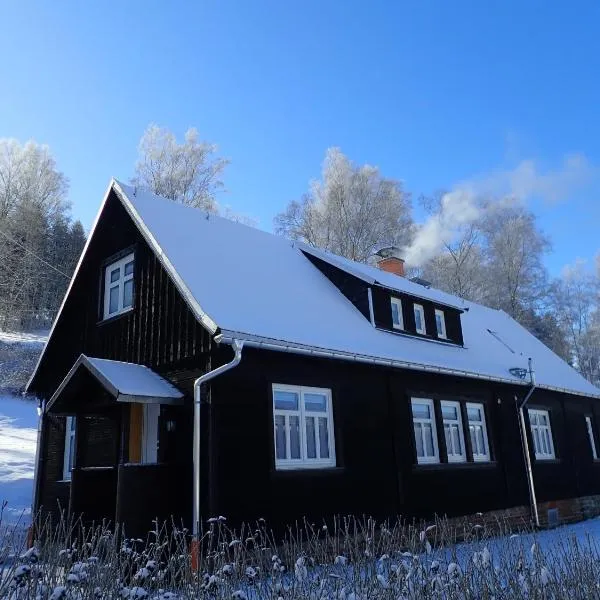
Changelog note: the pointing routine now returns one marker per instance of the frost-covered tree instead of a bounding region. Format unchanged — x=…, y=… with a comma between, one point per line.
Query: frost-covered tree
x=352, y=211
x=576, y=305
x=515, y=246
x=187, y=172
x=33, y=204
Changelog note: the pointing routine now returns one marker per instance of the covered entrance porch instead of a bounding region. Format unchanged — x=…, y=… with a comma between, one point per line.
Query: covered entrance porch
x=120, y=447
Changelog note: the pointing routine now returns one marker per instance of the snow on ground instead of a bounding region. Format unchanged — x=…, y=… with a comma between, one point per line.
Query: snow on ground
x=35, y=337
x=18, y=437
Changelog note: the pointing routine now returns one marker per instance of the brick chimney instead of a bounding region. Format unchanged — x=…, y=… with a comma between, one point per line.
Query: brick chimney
x=388, y=260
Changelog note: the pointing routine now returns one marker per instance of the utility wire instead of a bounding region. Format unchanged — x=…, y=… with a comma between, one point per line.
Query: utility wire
x=12, y=240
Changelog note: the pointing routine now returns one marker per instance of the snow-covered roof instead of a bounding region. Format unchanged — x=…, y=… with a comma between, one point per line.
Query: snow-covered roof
x=126, y=382
x=256, y=286
x=251, y=285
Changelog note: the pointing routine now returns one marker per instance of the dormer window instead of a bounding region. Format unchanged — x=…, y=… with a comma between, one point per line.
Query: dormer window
x=397, y=317
x=118, y=287
x=440, y=323
x=419, y=319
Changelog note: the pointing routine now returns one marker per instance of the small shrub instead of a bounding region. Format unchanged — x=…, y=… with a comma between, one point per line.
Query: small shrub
x=346, y=559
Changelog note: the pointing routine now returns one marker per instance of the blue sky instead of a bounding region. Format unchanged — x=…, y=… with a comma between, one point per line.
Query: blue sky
x=434, y=93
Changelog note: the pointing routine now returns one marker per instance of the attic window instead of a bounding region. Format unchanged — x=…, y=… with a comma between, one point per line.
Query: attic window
x=397, y=317
x=118, y=287
x=419, y=319
x=440, y=323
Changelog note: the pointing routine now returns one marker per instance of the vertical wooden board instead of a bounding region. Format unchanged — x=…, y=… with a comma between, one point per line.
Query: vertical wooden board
x=136, y=419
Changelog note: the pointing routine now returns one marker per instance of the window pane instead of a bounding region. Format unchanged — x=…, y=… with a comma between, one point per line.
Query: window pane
x=280, y=441
x=128, y=294
x=395, y=313
x=533, y=418
x=474, y=414
x=448, y=438
x=418, y=320
x=481, y=449
x=419, y=439
x=450, y=412
x=438, y=323
x=536, y=441
x=129, y=268
x=473, y=439
x=286, y=400
x=114, y=274
x=315, y=402
x=294, y=436
x=420, y=410
x=324, y=437
x=456, y=441
x=428, y=434
x=543, y=419
x=113, y=300
x=311, y=442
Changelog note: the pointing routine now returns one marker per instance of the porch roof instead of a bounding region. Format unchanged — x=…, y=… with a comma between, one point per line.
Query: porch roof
x=126, y=382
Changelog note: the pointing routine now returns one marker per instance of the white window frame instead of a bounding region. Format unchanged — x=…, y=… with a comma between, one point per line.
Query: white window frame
x=454, y=457
x=120, y=283
x=541, y=431
x=151, y=413
x=304, y=462
x=424, y=460
x=478, y=456
x=398, y=304
x=590, y=429
x=441, y=334
x=69, y=452
x=419, y=308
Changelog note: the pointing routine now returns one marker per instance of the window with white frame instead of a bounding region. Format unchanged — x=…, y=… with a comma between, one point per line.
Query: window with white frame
x=69, y=455
x=419, y=318
x=453, y=431
x=590, y=430
x=397, y=317
x=426, y=443
x=440, y=323
x=478, y=432
x=118, y=286
x=541, y=432
x=303, y=427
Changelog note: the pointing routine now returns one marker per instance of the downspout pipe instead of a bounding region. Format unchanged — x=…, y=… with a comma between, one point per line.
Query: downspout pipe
x=237, y=347
x=525, y=445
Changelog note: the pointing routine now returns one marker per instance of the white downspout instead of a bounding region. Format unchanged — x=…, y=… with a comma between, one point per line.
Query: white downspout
x=525, y=444
x=237, y=346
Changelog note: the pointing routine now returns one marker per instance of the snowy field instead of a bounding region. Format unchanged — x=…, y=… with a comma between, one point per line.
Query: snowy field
x=18, y=436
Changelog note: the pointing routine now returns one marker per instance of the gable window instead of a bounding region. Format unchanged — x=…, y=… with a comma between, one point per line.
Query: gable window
x=453, y=431
x=397, y=317
x=590, y=430
x=118, y=286
x=478, y=432
x=541, y=432
x=303, y=427
x=69, y=455
x=419, y=319
x=440, y=323
x=425, y=432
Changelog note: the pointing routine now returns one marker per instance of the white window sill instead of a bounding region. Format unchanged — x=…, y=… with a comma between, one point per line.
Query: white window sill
x=306, y=467
x=116, y=315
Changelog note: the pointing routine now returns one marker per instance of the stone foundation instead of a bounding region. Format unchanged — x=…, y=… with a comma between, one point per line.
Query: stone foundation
x=551, y=514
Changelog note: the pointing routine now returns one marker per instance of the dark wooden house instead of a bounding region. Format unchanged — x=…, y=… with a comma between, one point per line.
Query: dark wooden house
x=355, y=389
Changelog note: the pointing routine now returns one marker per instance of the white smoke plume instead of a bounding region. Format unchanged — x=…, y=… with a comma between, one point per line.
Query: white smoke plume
x=463, y=206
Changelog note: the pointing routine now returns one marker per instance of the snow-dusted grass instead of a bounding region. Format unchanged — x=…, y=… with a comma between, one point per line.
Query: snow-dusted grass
x=349, y=560
x=18, y=438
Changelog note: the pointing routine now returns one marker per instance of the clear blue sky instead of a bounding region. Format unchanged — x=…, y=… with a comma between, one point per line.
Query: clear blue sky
x=432, y=92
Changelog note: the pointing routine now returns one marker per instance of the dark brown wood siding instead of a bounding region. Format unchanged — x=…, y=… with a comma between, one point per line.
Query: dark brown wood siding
x=160, y=332
x=377, y=471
